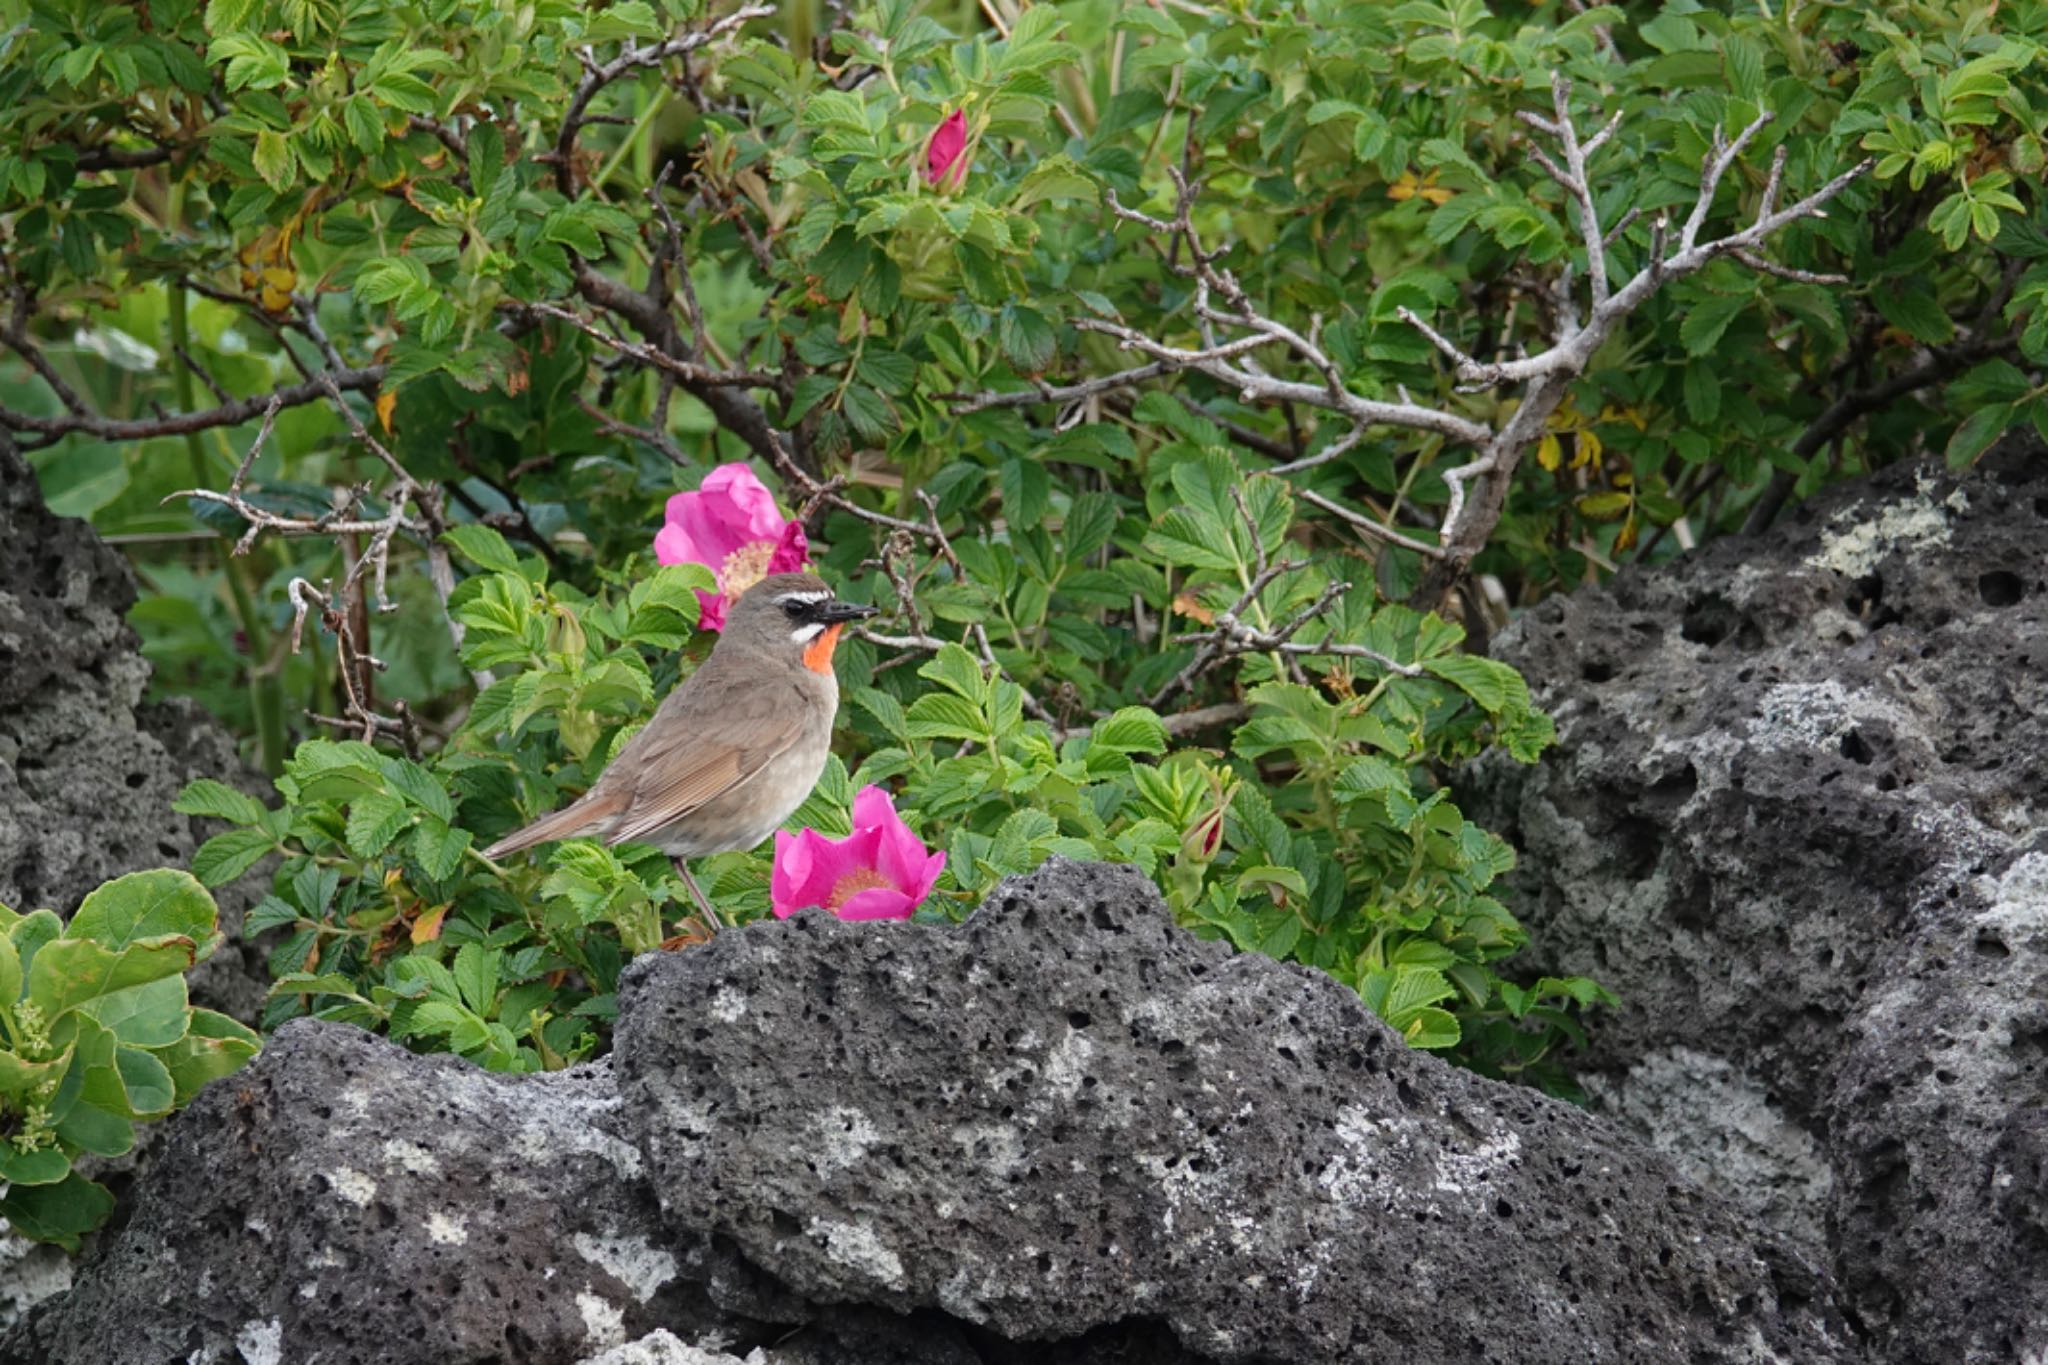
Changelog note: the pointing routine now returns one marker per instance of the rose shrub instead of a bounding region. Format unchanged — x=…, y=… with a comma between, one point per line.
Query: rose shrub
x=1167, y=374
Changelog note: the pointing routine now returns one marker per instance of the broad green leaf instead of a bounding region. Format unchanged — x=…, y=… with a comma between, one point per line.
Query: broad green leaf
x=92, y=1129
x=149, y=1015
x=146, y=1080
x=10, y=972
x=42, y=1166
x=68, y=972
x=145, y=906
x=61, y=1211
x=215, y=1046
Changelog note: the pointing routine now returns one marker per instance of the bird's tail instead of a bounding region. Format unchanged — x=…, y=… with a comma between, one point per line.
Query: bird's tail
x=581, y=816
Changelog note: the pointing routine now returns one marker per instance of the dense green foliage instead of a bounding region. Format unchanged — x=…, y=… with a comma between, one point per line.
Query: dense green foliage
x=98, y=1036
x=563, y=260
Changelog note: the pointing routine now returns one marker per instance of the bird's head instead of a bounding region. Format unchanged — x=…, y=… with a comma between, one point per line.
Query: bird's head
x=791, y=614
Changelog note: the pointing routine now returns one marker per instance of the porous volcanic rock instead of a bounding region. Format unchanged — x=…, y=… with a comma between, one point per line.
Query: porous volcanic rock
x=1796, y=818
x=1064, y=1132
x=1069, y=1114
x=88, y=770
x=341, y=1201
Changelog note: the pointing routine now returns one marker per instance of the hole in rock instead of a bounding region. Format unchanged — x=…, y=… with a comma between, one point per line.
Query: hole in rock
x=1857, y=749
x=2000, y=588
x=1991, y=945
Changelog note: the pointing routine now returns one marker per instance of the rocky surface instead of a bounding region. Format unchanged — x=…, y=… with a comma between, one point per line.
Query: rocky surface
x=87, y=769
x=1066, y=1131
x=1796, y=818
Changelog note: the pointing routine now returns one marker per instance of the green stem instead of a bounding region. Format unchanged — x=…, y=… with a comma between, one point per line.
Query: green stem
x=266, y=692
x=654, y=104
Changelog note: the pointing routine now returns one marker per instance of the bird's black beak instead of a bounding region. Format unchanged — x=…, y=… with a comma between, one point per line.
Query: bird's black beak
x=835, y=611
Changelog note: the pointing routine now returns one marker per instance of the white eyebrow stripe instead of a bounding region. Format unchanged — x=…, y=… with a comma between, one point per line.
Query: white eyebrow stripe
x=809, y=598
x=803, y=635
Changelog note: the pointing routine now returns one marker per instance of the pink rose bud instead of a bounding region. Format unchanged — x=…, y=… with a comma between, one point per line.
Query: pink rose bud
x=943, y=159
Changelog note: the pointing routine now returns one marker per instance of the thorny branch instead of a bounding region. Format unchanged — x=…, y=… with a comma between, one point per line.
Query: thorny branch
x=1230, y=635
x=1233, y=330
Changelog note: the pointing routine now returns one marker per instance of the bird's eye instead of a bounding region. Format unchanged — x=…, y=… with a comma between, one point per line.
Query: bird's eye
x=793, y=610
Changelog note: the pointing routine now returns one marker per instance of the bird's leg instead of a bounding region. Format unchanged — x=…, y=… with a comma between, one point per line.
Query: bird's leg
x=711, y=919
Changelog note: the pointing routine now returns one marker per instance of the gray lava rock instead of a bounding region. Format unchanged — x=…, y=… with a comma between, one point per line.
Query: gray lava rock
x=1796, y=818
x=87, y=769
x=1070, y=1114
x=343, y=1202
x=1066, y=1133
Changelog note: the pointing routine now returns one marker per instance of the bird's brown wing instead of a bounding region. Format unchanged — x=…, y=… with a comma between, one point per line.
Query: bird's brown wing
x=685, y=764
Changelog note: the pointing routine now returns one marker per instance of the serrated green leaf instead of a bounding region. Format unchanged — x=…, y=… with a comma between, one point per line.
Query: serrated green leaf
x=218, y=800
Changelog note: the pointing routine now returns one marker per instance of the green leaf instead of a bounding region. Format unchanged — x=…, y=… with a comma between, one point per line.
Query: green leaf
x=373, y=822
x=146, y=1080
x=10, y=971
x=1132, y=730
x=1487, y=681
x=476, y=976
x=438, y=847
x=1054, y=178
x=42, y=1166
x=1914, y=311
x=213, y=1046
x=958, y=671
x=938, y=715
x=483, y=547
x=217, y=799
x=90, y=1128
x=153, y=1014
x=229, y=854
x=68, y=972
x=1976, y=434
x=419, y=786
x=1702, y=393
x=1431, y=1028
x=145, y=906
x=1026, y=337
x=231, y=16
x=1708, y=319
x=275, y=161
x=60, y=1212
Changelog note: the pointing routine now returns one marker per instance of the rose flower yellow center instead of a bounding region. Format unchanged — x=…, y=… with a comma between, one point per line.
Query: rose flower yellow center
x=744, y=567
x=853, y=883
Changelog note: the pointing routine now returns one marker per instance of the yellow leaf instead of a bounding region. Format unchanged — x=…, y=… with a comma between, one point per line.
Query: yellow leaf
x=1627, y=539
x=1586, y=448
x=1605, y=506
x=280, y=278
x=1408, y=187
x=1549, y=453
x=386, y=401
x=427, y=927
x=276, y=300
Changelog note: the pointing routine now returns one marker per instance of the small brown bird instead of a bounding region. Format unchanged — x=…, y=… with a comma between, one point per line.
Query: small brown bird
x=735, y=749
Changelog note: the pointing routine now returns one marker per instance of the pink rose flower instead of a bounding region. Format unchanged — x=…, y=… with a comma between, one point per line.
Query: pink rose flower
x=880, y=871
x=730, y=525
x=944, y=162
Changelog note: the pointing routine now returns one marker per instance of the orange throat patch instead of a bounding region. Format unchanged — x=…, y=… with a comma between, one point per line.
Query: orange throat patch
x=818, y=653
